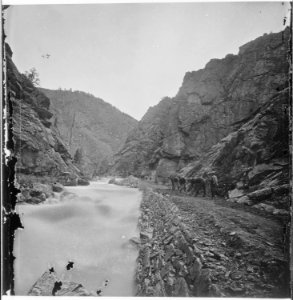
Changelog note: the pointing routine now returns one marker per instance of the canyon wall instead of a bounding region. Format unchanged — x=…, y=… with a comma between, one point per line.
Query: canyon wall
x=38, y=147
x=210, y=104
x=92, y=129
x=256, y=157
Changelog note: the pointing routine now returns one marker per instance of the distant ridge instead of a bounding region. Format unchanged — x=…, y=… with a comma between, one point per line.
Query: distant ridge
x=92, y=129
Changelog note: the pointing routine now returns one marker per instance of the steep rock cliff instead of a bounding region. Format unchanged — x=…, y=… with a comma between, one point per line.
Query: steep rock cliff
x=38, y=147
x=210, y=104
x=92, y=129
x=254, y=157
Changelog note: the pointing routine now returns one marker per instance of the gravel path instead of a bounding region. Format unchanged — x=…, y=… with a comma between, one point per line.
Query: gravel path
x=244, y=250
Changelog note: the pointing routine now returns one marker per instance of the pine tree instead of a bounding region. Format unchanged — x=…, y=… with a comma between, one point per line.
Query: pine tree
x=78, y=156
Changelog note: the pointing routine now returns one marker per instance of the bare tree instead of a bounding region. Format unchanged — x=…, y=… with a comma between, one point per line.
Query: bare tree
x=33, y=76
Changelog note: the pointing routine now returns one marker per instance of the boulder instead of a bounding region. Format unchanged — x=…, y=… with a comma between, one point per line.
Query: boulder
x=112, y=181
x=34, y=200
x=45, y=284
x=146, y=236
x=260, y=171
x=135, y=241
x=281, y=189
x=265, y=207
x=35, y=194
x=82, y=181
x=70, y=183
x=244, y=200
x=260, y=195
x=281, y=212
x=130, y=181
x=57, y=187
x=41, y=188
x=235, y=193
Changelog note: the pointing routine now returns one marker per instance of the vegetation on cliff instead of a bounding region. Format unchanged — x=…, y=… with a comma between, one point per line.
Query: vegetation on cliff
x=92, y=129
x=40, y=152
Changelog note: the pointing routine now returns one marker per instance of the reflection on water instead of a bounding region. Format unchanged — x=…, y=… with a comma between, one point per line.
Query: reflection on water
x=88, y=225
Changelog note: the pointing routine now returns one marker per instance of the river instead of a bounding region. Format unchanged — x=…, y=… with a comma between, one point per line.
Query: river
x=90, y=226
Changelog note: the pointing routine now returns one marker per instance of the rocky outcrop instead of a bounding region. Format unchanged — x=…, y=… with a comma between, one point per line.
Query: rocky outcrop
x=41, y=155
x=50, y=285
x=211, y=104
x=92, y=129
x=35, y=193
x=38, y=148
x=253, y=162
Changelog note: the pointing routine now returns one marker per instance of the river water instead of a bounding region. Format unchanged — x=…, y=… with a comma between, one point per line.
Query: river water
x=90, y=226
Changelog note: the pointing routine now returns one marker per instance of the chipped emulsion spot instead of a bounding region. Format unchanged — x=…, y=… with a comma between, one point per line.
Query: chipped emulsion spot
x=99, y=292
x=57, y=287
x=69, y=265
x=106, y=282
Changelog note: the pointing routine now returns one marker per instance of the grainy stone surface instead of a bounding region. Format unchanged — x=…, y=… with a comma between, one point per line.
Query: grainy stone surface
x=211, y=104
x=168, y=264
x=203, y=247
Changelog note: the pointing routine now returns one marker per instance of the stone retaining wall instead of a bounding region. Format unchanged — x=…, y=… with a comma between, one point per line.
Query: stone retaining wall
x=169, y=263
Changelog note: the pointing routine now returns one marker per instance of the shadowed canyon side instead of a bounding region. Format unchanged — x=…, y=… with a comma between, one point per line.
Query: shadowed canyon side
x=39, y=149
x=92, y=129
x=256, y=156
x=210, y=104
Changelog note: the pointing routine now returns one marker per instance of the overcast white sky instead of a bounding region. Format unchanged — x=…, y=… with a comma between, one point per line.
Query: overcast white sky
x=132, y=55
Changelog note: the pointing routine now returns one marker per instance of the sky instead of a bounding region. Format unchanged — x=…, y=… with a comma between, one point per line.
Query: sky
x=132, y=55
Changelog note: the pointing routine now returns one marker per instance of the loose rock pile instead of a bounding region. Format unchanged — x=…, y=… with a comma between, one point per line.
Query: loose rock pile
x=168, y=262
x=36, y=193
x=274, y=200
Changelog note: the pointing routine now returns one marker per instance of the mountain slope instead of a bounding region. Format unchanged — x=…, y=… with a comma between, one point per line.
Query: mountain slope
x=210, y=104
x=37, y=145
x=92, y=129
x=256, y=156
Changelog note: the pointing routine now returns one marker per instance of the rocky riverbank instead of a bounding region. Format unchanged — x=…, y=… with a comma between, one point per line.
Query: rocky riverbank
x=169, y=263
x=196, y=247
x=35, y=190
x=35, y=193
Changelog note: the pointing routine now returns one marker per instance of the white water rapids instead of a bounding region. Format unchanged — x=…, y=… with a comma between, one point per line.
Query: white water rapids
x=90, y=226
